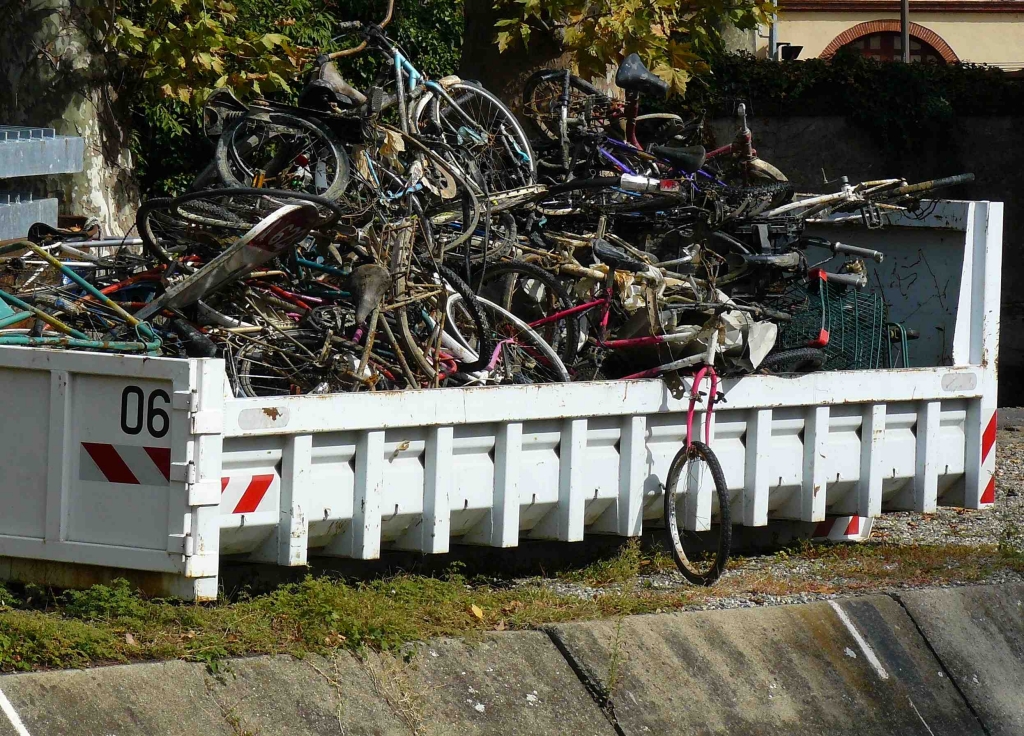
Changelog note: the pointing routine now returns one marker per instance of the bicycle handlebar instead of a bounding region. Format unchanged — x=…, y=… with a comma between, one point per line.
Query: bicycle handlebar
x=355, y=24
x=857, y=280
x=853, y=250
x=926, y=186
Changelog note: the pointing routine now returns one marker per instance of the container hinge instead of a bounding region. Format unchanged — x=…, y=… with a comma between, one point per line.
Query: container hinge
x=204, y=493
x=200, y=492
x=207, y=422
x=185, y=400
x=179, y=544
x=183, y=472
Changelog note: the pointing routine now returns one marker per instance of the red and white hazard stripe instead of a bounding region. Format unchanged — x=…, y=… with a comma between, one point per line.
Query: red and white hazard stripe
x=988, y=444
x=844, y=528
x=135, y=465
x=244, y=494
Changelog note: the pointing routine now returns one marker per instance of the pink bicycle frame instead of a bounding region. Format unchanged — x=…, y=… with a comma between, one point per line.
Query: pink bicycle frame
x=709, y=371
x=605, y=302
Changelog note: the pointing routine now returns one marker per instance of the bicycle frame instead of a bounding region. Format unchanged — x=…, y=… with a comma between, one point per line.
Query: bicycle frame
x=604, y=302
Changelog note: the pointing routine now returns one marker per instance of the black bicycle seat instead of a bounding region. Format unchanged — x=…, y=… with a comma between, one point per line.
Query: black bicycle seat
x=329, y=87
x=684, y=158
x=633, y=76
x=615, y=257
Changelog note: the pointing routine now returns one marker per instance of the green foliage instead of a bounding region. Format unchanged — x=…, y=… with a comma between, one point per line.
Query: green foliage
x=118, y=600
x=901, y=105
x=29, y=639
x=183, y=49
x=672, y=38
x=8, y=599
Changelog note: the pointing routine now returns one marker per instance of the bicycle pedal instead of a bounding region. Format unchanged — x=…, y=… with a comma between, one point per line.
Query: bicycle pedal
x=676, y=386
x=376, y=100
x=871, y=216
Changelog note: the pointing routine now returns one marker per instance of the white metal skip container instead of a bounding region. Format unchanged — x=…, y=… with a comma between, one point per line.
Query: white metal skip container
x=123, y=463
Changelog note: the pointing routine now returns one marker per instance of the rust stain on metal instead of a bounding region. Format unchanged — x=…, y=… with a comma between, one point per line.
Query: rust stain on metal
x=273, y=412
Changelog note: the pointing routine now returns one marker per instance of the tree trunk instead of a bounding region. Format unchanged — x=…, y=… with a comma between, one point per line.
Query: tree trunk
x=56, y=75
x=503, y=73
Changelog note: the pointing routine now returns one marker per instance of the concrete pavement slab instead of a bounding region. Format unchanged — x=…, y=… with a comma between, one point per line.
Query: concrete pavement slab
x=858, y=667
x=314, y=696
x=514, y=684
x=166, y=698
x=978, y=634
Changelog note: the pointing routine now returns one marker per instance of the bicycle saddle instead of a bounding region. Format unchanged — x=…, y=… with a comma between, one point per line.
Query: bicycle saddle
x=617, y=258
x=43, y=234
x=218, y=110
x=684, y=158
x=368, y=284
x=633, y=76
x=327, y=87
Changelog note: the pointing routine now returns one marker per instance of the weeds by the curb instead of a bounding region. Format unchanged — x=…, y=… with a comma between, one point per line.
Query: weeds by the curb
x=106, y=624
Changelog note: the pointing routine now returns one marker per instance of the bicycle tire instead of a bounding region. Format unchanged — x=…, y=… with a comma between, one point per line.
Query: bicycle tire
x=557, y=76
x=797, y=360
x=230, y=215
x=564, y=334
x=283, y=344
x=504, y=232
x=509, y=143
x=155, y=244
x=228, y=157
x=539, y=363
x=480, y=326
x=708, y=569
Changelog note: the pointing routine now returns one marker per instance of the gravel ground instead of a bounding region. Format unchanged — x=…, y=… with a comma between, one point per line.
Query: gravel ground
x=1003, y=524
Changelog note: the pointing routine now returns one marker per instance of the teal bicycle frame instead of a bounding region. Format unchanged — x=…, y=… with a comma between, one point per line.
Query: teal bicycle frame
x=70, y=337
x=409, y=88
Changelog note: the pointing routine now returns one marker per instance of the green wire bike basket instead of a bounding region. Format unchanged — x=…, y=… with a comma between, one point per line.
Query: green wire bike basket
x=849, y=325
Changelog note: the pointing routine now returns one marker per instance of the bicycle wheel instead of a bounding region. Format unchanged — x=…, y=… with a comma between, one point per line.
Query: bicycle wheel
x=240, y=208
x=798, y=360
x=531, y=294
x=167, y=235
x=701, y=557
x=523, y=356
x=423, y=320
x=501, y=147
x=283, y=151
x=287, y=363
x=542, y=92
x=503, y=233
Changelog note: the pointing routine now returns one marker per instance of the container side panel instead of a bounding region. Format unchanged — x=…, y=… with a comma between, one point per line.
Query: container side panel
x=120, y=453
x=24, y=404
x=920, y=281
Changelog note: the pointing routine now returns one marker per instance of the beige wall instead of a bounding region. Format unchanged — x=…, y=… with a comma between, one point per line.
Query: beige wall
x=982, y=38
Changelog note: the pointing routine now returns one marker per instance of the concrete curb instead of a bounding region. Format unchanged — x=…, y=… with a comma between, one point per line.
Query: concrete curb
x=944, y=661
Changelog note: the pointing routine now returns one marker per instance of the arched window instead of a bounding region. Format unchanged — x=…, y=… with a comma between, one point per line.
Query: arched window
x=888, y=46
x=880, y=39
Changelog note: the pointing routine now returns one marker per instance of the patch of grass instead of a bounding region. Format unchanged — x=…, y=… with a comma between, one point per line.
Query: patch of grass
x=631, y=561
x=321, y=614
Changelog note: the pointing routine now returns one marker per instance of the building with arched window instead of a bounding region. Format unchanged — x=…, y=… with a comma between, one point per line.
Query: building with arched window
x=941, y=31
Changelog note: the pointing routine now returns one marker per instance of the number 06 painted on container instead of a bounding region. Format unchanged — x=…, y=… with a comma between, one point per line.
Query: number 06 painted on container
x=140, y=412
